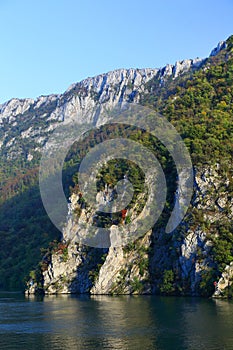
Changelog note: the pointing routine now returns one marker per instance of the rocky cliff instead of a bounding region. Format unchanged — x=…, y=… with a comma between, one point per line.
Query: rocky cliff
x=33, y=120
x=140, y=267
x=182, y=262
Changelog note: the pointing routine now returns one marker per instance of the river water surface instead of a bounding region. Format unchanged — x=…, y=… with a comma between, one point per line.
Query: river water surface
x=122, y=322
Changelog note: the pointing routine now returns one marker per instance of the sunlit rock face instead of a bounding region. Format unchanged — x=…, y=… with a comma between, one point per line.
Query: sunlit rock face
x=75, y=268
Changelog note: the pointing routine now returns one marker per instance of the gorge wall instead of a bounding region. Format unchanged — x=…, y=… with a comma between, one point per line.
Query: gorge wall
x=182, y=262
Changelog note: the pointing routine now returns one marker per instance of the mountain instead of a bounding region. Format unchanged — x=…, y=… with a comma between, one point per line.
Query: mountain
x=196, y=97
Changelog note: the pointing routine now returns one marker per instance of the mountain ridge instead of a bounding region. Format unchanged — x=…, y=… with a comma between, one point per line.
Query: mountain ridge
x=111, y=87
x=27, y=124
x=168, y=69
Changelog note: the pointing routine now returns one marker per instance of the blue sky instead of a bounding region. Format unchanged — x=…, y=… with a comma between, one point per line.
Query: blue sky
x=46, y=45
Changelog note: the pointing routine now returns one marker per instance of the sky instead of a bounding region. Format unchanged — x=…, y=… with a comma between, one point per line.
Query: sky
x=47, y=45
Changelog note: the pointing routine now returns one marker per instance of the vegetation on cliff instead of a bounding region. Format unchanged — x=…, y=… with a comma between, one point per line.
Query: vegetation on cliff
x=200, y=106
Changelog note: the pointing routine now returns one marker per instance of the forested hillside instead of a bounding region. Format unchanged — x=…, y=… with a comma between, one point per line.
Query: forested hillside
x=199, y=103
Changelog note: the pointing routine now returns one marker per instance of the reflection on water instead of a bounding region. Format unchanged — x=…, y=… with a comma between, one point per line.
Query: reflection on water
x=123, y=322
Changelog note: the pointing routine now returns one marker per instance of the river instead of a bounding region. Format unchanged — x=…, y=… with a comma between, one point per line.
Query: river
x=109, y=322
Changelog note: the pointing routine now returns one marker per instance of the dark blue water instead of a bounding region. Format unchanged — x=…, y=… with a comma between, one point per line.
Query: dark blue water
x=104, y=322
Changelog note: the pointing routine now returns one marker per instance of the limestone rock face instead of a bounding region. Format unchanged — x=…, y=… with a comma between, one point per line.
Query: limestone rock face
x=138, y=267
x=221, y=45
x=224, y=282
x=75, y=104
x=194, y=257
x=121, y=273
x=60, y=274
x=109, y=271
x=210, y=196
x=134, y=268
x=76, y=268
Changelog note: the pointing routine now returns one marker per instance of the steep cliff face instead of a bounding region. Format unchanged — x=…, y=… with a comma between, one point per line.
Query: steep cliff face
x=74, y=268
x=212, y=205
x=223, y=288
x=181, y=262
x=33, y=120
x=140, y=267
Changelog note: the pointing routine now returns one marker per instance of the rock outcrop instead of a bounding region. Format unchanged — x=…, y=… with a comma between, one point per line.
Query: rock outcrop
x=224, y=284
x=42, y=115
x=140, y=267
x=134, y=268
